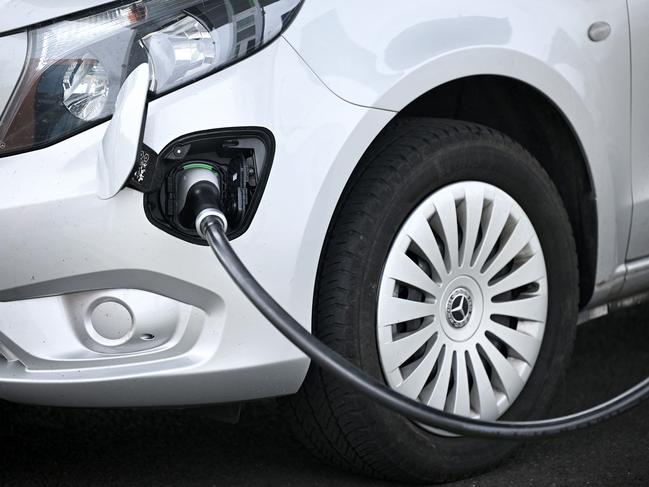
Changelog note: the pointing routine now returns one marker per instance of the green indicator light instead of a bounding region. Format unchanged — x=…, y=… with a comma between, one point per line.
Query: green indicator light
x=198, y=165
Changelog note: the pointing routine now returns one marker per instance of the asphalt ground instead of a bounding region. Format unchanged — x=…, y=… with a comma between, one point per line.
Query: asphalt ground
x=48, y=446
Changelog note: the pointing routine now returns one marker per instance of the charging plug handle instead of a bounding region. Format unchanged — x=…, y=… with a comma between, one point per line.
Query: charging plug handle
x=198, y=196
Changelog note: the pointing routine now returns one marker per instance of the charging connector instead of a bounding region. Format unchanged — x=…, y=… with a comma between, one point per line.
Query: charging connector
x=198, y=187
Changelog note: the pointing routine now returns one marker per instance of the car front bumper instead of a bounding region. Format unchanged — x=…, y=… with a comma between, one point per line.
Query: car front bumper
x=195, y=339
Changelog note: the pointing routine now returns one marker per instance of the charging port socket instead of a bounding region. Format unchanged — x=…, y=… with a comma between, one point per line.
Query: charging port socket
x=241, y=157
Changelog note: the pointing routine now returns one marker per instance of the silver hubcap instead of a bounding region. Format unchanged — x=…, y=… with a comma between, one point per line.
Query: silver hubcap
x=463, y=302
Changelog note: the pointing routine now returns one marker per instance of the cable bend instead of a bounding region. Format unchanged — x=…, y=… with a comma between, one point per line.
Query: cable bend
x=337, y=365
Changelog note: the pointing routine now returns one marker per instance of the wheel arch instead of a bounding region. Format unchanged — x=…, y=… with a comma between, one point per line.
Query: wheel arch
x=389, y=64
x=501, y=102
x=532, y=119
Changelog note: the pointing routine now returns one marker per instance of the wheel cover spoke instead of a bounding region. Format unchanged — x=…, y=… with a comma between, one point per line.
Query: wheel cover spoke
x=531, y=271
x=447, y=213
x=460, y=395
x=482, y=394
x=506, y=376
x=437, y=391
x=526, y=346
x=397, y=352
x=463, y=302
x=520, y=236
x=403, y=269
x=414, y=383
x=530, y=309
x=397, y=310
x=474, y=201
x=495, y=222
x=422, y=235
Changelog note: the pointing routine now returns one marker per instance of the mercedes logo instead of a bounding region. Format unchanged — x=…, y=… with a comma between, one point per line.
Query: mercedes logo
x=458, y=308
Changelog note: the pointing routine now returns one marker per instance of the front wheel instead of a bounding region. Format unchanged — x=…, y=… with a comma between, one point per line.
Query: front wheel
x=449, y=272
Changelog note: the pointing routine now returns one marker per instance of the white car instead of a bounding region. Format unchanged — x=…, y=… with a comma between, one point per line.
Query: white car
x=438, y=190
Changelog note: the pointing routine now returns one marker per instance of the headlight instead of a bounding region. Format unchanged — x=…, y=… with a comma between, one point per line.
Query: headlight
x=75, y=67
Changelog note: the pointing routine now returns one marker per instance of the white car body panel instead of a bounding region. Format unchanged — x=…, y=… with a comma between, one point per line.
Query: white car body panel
x=68, y=240
x=325, y=90
x=639, y=21
x=389, y=60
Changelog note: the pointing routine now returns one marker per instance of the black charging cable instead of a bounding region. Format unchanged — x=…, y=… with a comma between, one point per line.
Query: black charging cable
x=211, y=225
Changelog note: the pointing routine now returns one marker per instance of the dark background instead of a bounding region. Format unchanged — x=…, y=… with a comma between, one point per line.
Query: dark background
x=47, y=446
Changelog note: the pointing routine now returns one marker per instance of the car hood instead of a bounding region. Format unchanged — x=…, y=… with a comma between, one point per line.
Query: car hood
x=21, y=13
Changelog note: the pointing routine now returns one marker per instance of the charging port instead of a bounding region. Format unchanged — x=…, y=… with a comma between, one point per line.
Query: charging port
x=240, y=158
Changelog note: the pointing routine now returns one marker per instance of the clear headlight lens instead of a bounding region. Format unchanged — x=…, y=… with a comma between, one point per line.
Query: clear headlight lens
x=180, y=52
x=86, y=89
x=75, y=68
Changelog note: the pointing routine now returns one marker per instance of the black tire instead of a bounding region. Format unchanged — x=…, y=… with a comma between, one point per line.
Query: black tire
x=410, y=160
